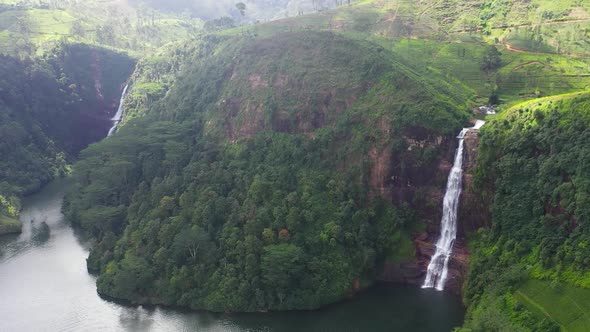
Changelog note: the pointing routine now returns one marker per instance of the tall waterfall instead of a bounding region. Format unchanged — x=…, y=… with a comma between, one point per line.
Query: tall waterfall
x=436, y=275
x=117, y=118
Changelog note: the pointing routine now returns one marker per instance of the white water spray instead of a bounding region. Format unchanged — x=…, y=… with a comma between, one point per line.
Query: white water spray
x=437, y=272
x=117, y=118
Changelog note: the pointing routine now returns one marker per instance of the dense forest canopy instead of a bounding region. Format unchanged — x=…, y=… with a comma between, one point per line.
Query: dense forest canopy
x=534, y=165
x=261, y=205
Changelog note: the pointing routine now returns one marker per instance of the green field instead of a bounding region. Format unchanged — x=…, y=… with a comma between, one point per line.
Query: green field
x=112, y=24
x=568, y=306
x=432, y=45
x=9, y=225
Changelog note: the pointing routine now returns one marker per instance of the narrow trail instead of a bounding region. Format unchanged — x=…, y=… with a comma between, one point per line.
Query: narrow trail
x=509, y=47
x=522, y=25
x=527, y=64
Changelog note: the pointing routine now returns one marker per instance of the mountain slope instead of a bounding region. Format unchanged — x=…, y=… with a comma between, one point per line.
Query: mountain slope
x=533, y=165
x=263, y=189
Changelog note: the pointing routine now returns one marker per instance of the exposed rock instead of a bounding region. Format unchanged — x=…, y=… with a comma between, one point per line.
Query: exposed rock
x=414, y=272
x=426, y=192
x=407, y=273
x=485, y=110
x=473, y=209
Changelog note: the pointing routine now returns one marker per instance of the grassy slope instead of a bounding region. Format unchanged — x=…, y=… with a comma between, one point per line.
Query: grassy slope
x=9, y=225
x=428, y=44
x=134, y=29
x=343, y=97
x=564, y=300
x=567, y=305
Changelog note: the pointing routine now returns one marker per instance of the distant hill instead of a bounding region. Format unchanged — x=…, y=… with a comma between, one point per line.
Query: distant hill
x=262, y=10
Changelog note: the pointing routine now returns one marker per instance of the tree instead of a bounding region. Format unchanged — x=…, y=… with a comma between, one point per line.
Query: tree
x=281, y=266
x=241, y=7
x=220, y=24
x=77, y=29
x=492, y=60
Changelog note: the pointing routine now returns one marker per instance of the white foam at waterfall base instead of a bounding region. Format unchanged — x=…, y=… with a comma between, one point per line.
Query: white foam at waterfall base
x=438, y=268
x=117, y=118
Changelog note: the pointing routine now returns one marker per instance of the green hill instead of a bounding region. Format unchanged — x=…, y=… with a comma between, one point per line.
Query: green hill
x=264, y=187
x=33, y=27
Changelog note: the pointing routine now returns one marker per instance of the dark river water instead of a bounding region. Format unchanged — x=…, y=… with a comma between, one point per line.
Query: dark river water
x=44, y=286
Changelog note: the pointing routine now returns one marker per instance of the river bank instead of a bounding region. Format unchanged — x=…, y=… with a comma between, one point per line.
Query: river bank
x=45, y=285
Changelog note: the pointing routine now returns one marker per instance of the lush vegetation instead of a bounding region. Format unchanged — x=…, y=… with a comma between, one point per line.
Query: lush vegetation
x=256, y=164
x=9, y=225
x=534, y=167
x=238, y=199
x=566, y=305
x=32, y=27
x=262, y=224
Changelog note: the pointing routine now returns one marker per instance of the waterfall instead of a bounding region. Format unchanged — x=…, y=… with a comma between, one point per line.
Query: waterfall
x=117, y=118
x=437, y=272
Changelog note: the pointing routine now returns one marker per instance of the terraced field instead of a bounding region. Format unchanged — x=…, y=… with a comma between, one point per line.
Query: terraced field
x=568, y=306
x=114, y=24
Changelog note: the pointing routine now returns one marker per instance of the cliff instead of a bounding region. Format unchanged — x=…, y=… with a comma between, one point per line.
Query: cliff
x=473, y=210
x=427, y=196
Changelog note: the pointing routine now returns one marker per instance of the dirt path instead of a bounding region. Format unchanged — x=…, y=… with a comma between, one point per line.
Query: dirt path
x=503, y=27
x=511, y=48
x=527, y=64
x=516, y=50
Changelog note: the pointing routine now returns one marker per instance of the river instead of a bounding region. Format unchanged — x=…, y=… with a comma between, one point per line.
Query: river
x=44, y=286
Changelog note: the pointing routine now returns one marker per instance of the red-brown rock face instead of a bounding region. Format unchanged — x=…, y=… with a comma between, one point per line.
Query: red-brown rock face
x=472, y=215
x=473, y=209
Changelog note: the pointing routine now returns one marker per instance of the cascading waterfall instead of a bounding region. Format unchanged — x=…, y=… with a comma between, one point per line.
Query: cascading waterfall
x=437, y=272
x=117, y=118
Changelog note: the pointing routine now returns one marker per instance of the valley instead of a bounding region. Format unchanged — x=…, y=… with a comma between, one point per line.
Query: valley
x=265, y=160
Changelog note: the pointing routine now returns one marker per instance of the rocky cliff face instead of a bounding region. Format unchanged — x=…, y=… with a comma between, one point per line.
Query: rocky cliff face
x=425, y=189
x=473, y=211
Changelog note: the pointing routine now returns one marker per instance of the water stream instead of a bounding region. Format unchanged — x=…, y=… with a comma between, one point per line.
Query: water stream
x=438, y=268
x=119, y=115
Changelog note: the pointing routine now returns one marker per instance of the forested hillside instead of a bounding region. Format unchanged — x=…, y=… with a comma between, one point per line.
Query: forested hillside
x=265, y=201
x=534, y=169
x=257, y=166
